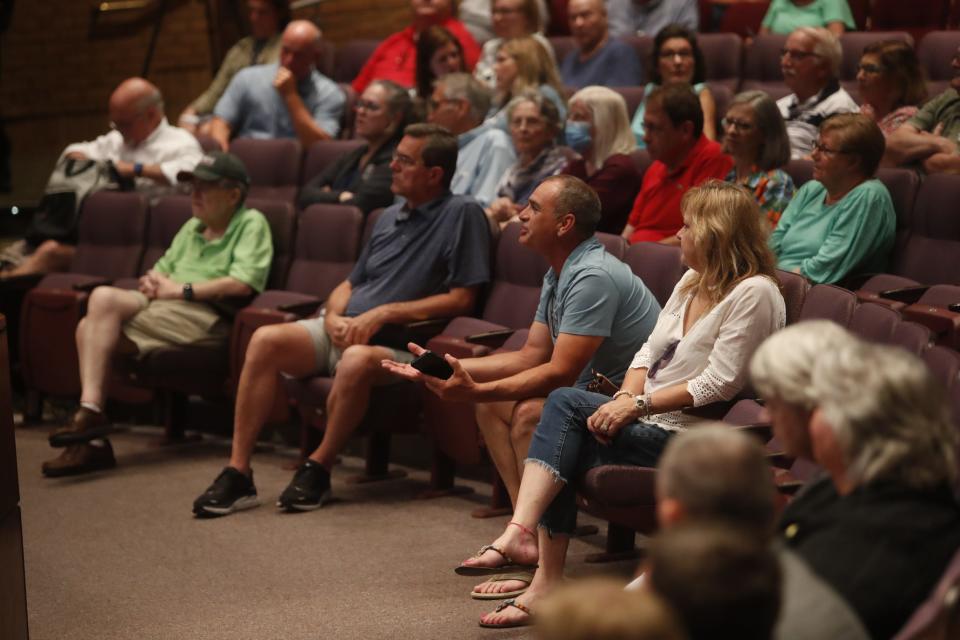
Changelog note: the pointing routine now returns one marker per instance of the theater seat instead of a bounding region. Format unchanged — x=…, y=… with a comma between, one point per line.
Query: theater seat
x=350, y=58
x=658, y=265
x=273, y=166
x=917, y=17
x=111, y=237
x=761, y=67
x=929, y=252
x=829, y=302
x=939, y=616
x=935, y=53
x=938, y=311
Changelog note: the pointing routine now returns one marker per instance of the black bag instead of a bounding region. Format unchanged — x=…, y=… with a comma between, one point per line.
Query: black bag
x=58, y=215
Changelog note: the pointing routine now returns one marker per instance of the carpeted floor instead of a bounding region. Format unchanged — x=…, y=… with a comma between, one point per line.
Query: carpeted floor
x=119, y=555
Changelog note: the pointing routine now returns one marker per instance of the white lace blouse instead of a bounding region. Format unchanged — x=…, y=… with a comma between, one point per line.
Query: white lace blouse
x=713, y=357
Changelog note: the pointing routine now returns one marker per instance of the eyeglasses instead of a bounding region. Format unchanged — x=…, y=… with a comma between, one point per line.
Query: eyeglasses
x=404, y=160
x=369, y=105
x=870, y=68
x=433, y=105
x=796, y=54
x=663, y=360
x=740, y=126
x=669, y=54
x=819, y=147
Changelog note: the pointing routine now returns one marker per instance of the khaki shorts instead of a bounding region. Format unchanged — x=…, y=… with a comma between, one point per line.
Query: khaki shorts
x=327, y=355
x=165, y=323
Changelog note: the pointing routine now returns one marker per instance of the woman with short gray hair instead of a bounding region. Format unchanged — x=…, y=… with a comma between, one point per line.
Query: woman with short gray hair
x=534, y=124
x=756, y=138
x=883, y=522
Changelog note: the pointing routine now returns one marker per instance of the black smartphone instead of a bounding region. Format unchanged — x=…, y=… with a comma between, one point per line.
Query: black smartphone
x=433, y=365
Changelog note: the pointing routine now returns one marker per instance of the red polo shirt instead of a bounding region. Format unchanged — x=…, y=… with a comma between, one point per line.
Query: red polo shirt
x=656, y=211
x=396, y=57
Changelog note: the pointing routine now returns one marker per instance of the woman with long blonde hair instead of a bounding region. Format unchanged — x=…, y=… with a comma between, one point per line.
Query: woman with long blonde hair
x=523, y=64
x=721, y=310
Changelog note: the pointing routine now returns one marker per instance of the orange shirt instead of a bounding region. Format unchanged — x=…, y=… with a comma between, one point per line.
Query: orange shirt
x=656, y=211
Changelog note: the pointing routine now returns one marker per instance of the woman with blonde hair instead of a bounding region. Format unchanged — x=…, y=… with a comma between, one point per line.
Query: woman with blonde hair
x=721, y=310
x=509, y=19
x=604, y=149
x=522, y=64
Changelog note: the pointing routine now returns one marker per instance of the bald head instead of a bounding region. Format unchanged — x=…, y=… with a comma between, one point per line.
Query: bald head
x=300, y=43
x=588, y=23
x=136, y=108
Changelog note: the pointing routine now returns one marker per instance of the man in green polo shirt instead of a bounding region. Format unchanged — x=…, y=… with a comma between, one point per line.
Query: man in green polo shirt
x=932, y=136
x=223, y=252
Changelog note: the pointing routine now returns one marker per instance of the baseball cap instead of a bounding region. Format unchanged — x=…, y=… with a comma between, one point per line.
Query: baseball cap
x=217, y=165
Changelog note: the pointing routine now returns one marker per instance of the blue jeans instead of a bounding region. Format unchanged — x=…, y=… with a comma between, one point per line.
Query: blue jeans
x=563, y=444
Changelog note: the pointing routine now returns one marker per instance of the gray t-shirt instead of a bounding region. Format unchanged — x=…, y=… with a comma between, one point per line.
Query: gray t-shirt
x=416, y=253
x=598, y=295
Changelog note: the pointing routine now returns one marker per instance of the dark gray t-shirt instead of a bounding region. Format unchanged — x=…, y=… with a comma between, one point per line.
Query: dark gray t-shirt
x=413, y=254
x=598, y=295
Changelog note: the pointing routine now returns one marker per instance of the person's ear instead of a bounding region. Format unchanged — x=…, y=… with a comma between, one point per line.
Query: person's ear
x=686, y=128
x=566, y=224
x=669, y=512
x=435, y=175
x=827, y=450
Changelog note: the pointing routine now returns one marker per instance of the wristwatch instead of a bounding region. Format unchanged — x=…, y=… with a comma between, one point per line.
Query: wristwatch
x=643, y=404
x=188, y=291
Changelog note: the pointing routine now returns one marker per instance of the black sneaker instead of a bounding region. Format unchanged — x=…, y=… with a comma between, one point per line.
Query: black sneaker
x=231, y=491
x=309, y=489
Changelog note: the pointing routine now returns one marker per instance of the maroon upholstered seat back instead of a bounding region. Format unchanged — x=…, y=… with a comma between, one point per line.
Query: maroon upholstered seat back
x=829, y=302
x=761, y=66
x=938, y=616
x=351, y=56
x=935, y=52
x=929, y=254
x=903, y=185
x=324, y=153
x=282, y=221
x=914, y=16
x=273, y=166
x=614, y=244
x=113, y=227
x=166, y=218
x=658, y=265
x=517, y=277
x=912, y=336
x=800, y=170
x=632, y=96
x=722, y=53
x=794, y=289
x=874, y=322
x=562, y=46
x=328, y=243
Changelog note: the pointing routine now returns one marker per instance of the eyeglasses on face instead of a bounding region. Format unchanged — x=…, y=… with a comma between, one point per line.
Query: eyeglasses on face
x=368, y=105
x=869, y=68
x=670, y=54
x=740, y=126
x=404, y=160
x=796, y=54
x=819, y=147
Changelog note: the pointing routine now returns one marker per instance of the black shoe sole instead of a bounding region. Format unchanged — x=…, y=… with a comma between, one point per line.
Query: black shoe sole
x=313, y=506
x=240, y=504
x=59, y=440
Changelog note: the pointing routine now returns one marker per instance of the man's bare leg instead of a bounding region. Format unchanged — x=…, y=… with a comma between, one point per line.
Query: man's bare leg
x=526, y=416
x=286, y=348
x=97, y=337
x=49, y=257
x=494, y=420
x=357, y=373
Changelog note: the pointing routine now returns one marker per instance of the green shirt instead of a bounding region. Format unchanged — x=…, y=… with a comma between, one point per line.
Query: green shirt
x=238, y=57
x=243, y=253
x=944, y=108
x=784, y=17
x=830, y=241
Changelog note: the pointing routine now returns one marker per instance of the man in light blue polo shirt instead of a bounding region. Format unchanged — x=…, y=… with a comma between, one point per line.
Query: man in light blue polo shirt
x=286, y=100
x=594, y=314
x=460, y=103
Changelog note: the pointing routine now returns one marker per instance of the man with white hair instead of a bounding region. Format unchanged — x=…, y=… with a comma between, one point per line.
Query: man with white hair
x=810, y=62
x=289, y=99
x=459, y=103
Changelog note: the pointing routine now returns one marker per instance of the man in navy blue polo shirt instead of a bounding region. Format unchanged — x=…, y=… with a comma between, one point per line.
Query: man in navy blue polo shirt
x=426, y=258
